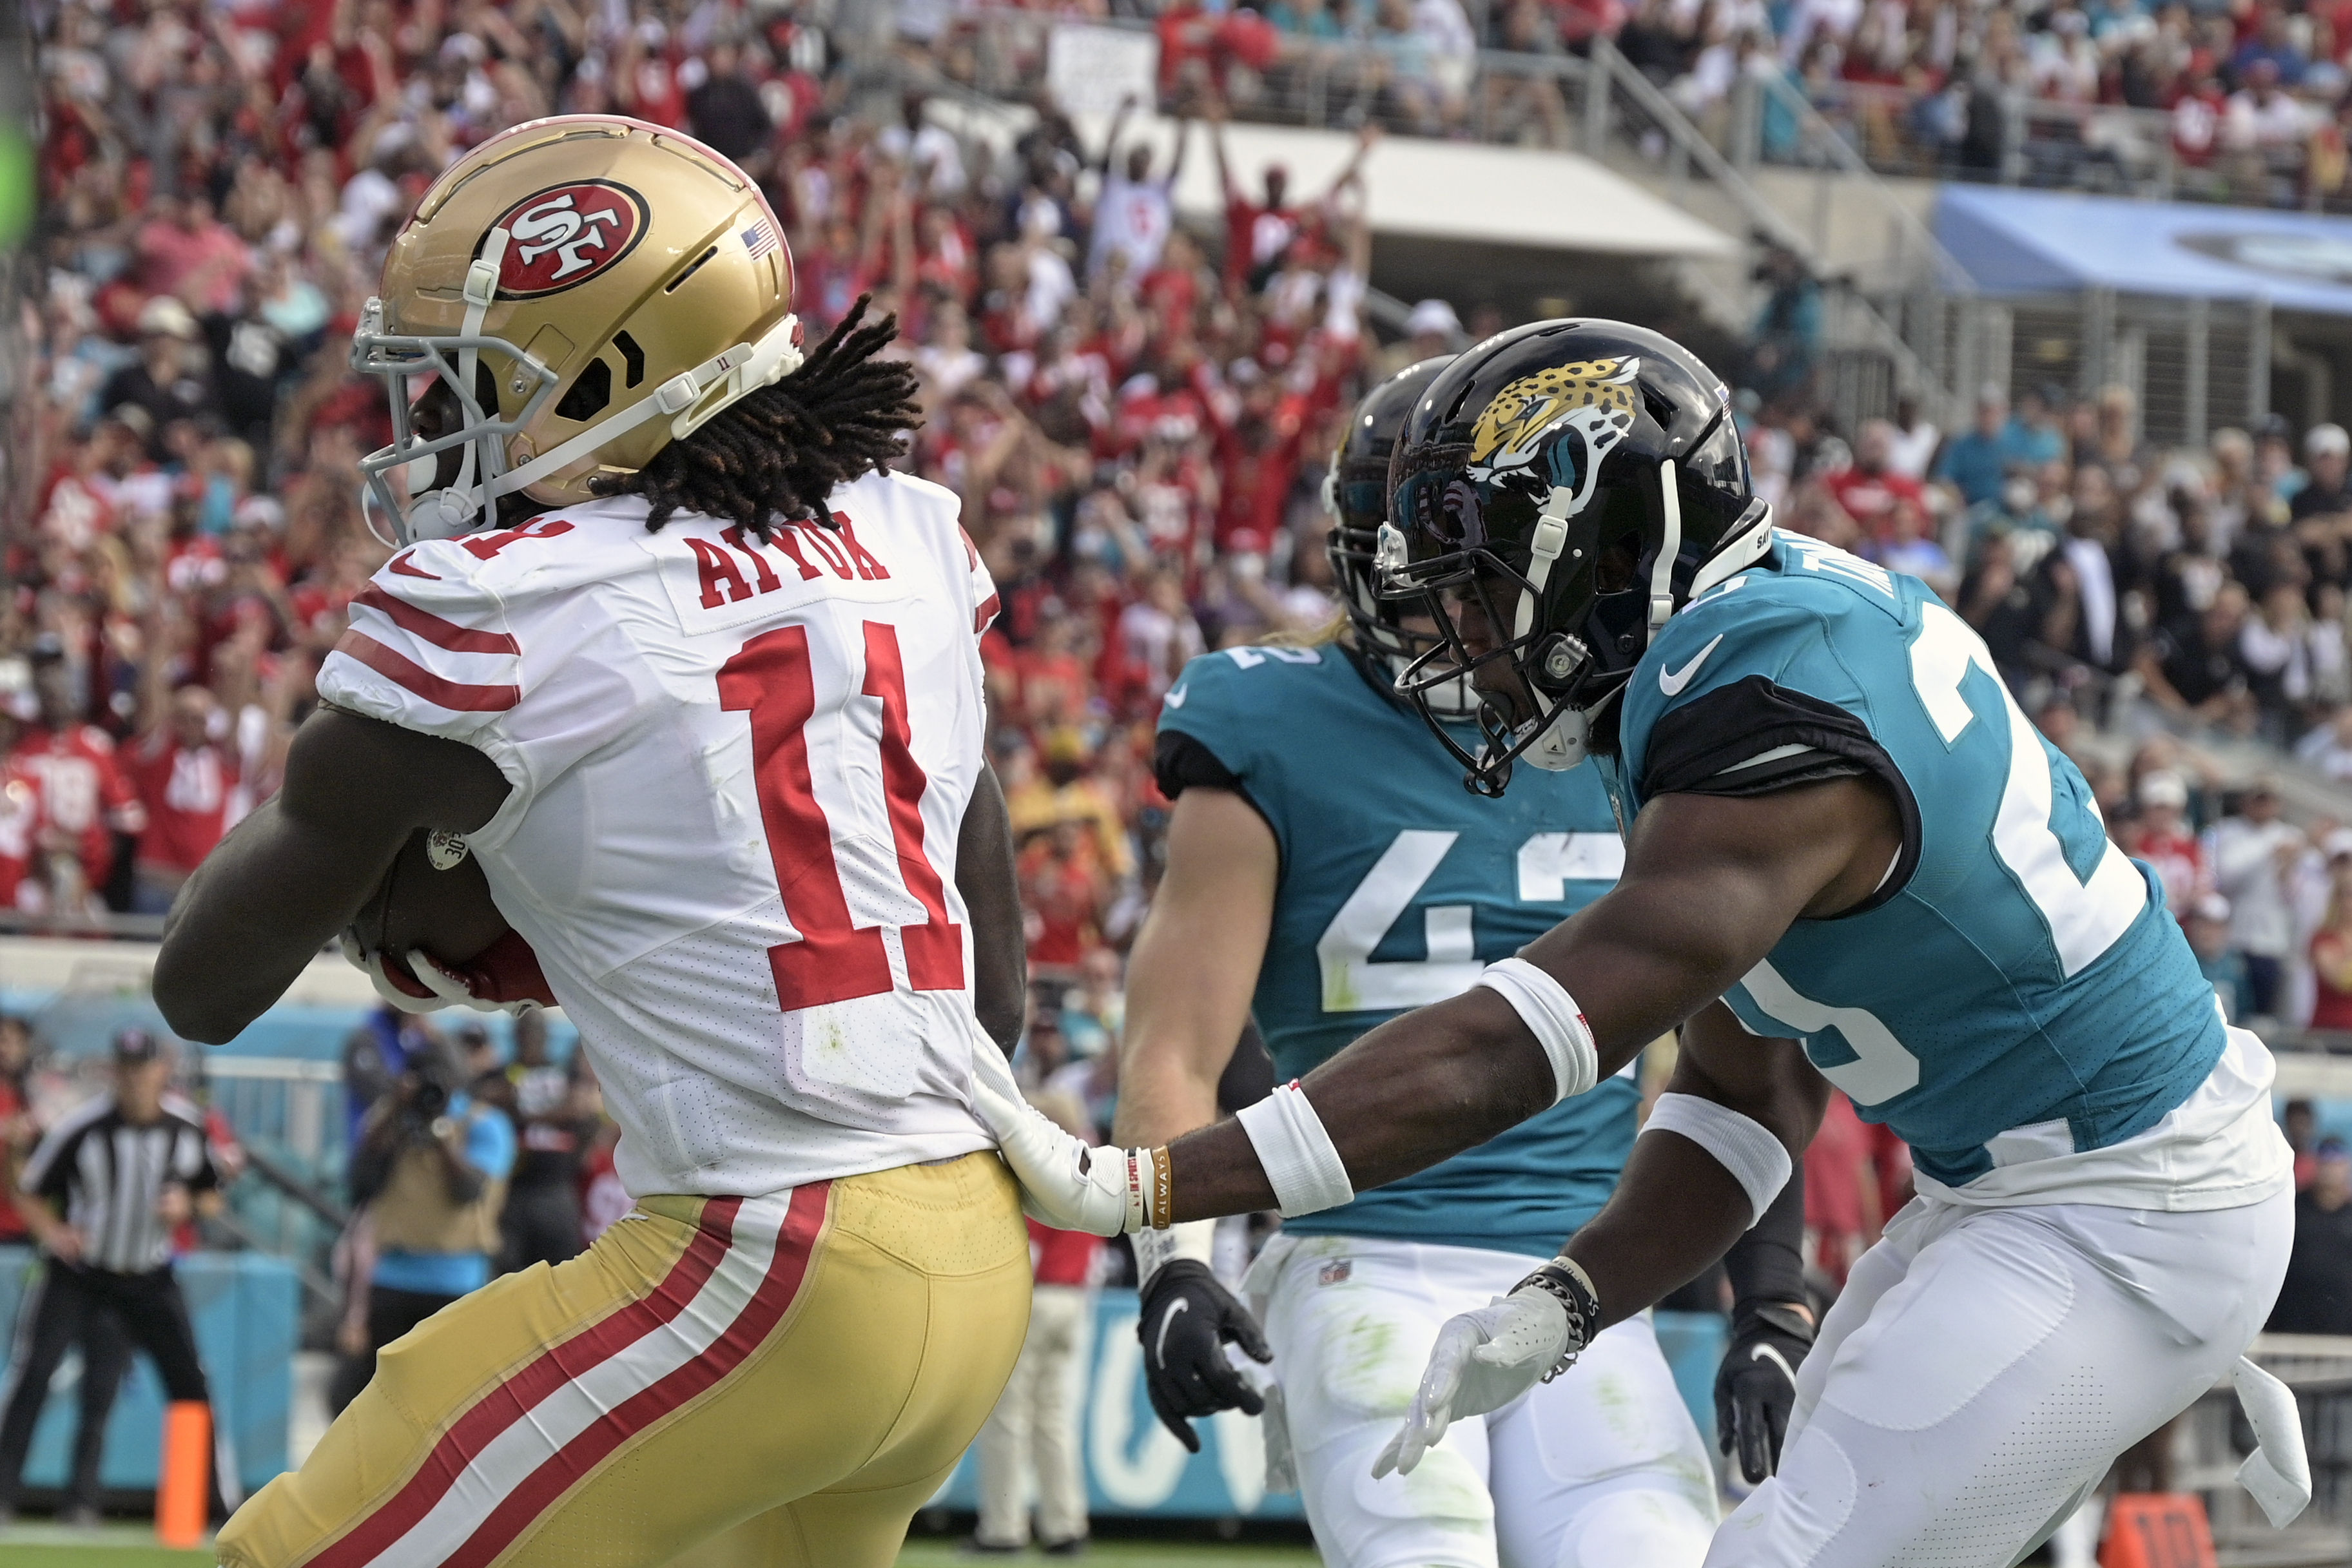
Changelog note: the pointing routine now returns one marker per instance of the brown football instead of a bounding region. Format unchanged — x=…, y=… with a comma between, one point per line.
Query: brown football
x=449, y=914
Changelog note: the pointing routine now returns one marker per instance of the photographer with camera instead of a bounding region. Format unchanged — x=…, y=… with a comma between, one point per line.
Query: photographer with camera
x=431, y=1168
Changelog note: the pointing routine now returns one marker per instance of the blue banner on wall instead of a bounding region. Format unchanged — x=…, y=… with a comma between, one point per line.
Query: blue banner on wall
x=246, y=1307
x=1135, y=1466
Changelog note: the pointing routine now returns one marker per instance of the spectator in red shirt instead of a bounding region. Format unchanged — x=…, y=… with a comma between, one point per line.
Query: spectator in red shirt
x=86, y=800
x=19, y=1132
x=2331, y=951
x=1257, y=233
x=1063, y=891
x=2161, y=836
x=22, y=873
x=187, y=253
x=1870, y=488
x=1844, y=1208
x=185, y=774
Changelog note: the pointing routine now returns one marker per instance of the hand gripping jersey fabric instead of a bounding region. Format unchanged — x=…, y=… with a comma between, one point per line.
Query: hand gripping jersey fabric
x=738, y=772
x=2016, y=992
x=1398, y=886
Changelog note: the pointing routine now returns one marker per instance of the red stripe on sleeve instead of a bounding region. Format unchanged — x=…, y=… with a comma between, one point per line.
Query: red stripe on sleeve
x=433, y=628
x=455, y=696
x=512, y=1400
x=985, y=614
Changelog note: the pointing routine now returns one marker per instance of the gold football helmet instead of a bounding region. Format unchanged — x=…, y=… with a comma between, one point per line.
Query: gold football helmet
x=569, y=298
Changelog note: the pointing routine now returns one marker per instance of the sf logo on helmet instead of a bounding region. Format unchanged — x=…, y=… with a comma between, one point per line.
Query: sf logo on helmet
x=567, y=234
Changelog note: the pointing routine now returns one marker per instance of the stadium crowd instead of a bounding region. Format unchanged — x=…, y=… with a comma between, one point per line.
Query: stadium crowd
x=1137, y=413
x=2242, y=100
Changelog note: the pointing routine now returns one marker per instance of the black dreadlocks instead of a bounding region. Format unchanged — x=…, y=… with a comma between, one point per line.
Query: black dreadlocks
x=781, y=451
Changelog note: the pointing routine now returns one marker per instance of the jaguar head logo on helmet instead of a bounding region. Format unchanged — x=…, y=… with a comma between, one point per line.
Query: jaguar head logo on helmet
x=1567, y=485
x=570, y=298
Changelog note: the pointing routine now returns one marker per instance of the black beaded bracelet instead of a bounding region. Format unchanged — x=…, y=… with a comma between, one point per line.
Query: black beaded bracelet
x=1570, y=1286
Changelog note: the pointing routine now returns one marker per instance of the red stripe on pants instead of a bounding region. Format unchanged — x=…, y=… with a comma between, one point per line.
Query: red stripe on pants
x=795, y=1244
x=513, y=1399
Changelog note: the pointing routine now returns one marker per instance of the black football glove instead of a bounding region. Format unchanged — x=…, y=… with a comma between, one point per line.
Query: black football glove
x=1188, y=1319
x=1757, y=1388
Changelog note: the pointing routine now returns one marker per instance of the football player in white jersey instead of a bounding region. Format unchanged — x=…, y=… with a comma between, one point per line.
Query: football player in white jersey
x=671, y=666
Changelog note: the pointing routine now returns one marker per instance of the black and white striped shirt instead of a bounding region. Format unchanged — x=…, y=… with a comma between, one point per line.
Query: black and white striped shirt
x=105, y=1175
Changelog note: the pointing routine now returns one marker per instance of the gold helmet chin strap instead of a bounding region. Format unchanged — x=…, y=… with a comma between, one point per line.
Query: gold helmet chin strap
x=691, y=398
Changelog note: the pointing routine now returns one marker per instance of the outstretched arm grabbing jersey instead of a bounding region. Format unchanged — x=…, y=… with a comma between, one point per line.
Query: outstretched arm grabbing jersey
x=294, y=874
x=1196, y=962
x=1710, y=884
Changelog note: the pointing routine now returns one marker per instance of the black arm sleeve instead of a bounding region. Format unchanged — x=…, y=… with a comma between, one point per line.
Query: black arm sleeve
x=1752, y=737
x=1180, y=760
x=1768, y=1264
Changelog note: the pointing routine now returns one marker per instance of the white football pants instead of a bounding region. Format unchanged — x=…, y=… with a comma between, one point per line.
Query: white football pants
x=1600, y=1468
x=1985, y=1366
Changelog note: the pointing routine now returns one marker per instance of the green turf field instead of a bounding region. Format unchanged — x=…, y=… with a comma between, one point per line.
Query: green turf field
x=128, y=1546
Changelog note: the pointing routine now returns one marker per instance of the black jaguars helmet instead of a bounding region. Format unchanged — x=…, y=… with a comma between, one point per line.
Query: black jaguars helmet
x=1582, y=480
x=1356, y=494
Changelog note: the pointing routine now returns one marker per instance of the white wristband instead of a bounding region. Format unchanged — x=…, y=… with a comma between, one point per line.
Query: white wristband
x=1544, y=1005
x=1301, y=1165
x=1155, y=1249
x=1756, y=1160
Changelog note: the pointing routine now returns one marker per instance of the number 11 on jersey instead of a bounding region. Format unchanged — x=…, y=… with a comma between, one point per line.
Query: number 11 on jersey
x=771, y=678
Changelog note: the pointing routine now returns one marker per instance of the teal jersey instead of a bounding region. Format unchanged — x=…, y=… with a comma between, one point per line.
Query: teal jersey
x=2015, y=967
x=1398, y=886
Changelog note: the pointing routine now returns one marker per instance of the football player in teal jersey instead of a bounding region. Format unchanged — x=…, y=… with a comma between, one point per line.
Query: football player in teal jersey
x=1326, y=872
x=1850, y=859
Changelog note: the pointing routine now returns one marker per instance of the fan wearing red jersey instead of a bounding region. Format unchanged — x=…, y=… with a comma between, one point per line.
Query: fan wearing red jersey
x=691, y=683
x=86, y=797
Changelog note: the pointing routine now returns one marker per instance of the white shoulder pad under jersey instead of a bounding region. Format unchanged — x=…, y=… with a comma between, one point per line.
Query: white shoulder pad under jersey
x=739, y=773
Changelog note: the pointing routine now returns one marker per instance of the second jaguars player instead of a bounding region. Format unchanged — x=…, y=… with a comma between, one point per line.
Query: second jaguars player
x=1842, y=830
x=1326, y=872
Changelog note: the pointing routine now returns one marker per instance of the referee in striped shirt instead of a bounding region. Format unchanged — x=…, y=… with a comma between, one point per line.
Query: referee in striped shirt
x=102, y=1194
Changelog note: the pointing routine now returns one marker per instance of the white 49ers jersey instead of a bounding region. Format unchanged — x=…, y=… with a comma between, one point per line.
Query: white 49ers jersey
x=739, y=773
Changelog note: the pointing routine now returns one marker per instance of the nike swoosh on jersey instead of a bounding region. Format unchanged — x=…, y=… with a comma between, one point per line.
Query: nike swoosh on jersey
x=1175, y=697
x=1672, y=682
x=1167, y=1321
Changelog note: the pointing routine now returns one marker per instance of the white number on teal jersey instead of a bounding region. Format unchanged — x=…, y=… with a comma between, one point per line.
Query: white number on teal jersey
x=2085, y=918
x=1251, y=658
x=1354, y=982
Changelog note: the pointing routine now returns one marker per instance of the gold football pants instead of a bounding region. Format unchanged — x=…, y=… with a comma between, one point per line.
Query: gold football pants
x=717, y=1381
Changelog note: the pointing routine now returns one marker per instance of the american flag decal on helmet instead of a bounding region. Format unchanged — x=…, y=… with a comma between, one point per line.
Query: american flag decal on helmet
x=760, y=239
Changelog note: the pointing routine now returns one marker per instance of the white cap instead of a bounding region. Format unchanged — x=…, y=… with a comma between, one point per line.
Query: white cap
x=2326, y=440
x=2163, y=788
x=267, y=511
x=1432, y=315
x=167, y=316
